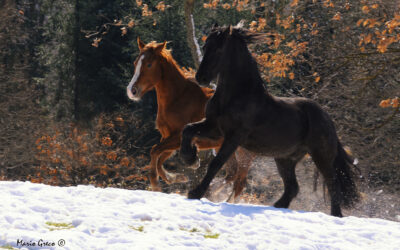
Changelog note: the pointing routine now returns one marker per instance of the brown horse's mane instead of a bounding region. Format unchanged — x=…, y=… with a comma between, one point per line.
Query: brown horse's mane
x=167, y=56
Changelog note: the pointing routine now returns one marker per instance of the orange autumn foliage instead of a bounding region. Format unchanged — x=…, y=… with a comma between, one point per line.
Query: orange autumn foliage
x=74, y=155
x=394, y=103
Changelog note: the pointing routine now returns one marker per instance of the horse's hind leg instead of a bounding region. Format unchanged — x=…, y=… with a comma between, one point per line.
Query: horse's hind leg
x=231, y=168
x=240, y=182
x=244, y=159
x=324, y=162
x=159, y=153
x=286, y=169
x=168, y=177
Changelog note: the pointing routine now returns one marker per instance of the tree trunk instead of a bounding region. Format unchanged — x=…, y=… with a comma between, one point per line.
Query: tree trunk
x=190, y=31
x=76, y=33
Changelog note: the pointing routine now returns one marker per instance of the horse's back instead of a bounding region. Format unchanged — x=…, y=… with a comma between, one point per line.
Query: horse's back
x=316, y=116
x=282, y=127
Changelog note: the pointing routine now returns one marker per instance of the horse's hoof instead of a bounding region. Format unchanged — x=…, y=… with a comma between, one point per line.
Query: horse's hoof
x=181, y=178
x=196, y=164
x=189, y=156
x=336, y=212
x=340, y=215
x=231, y=198
x=156, y=188
x=194, y=194
x=169, y=177
x=281, y=204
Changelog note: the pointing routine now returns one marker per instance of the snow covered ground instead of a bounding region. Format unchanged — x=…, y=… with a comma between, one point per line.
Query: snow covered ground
x=86, y=217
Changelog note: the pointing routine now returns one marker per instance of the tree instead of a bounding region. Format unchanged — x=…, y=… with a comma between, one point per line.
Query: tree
x=21, y=116
x=191, y=34
x=57, y=56
x=343, y=54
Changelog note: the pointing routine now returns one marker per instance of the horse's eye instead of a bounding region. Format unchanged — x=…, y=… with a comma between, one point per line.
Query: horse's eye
x=149, y=65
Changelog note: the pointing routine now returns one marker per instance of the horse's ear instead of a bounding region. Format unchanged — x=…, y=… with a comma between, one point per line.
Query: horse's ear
x=214, y=26
x=140, y=44
x=160, y=47
x=240, y=24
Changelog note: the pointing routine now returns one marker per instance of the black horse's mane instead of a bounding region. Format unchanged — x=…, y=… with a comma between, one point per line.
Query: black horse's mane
x=243, y=34
x=238, y=61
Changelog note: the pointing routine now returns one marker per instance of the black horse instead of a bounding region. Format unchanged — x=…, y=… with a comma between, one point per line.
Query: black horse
x=244, y=114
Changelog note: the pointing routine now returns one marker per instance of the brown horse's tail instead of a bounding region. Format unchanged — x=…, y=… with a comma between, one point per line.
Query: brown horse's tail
x=345, y=177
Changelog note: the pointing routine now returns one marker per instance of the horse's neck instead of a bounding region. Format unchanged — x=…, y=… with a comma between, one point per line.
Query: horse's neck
x=173, y=82
x=240, y=74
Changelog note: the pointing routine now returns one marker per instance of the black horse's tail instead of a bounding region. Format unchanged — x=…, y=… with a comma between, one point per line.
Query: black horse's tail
x=345, y=177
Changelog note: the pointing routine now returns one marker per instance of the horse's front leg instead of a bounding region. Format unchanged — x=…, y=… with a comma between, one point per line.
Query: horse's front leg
x=159, y=153
x=228, y=147
x=201, y=129
x=153, y=175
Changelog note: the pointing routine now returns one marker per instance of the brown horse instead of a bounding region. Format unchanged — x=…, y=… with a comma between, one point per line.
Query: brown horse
x=180, y=101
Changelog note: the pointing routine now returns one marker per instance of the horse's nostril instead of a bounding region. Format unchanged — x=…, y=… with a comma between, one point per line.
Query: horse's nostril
x=134, y=91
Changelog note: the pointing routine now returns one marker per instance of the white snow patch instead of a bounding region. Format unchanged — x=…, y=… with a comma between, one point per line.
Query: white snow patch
x=96, y=218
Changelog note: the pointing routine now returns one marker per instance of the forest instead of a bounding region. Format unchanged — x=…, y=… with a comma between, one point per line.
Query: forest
x=65, y=118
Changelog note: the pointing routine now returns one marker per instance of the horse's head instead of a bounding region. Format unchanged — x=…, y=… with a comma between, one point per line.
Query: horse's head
x=147, y=69
x=212, y=50
x=216, y=47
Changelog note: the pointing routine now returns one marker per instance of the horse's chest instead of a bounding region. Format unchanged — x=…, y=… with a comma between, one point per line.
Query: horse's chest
x=163, y=126
x=228, y=121
x=223, y=118
x=169, y=122
x=217, y=107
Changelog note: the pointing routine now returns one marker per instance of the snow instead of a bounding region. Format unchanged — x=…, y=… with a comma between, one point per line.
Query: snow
x=85, y=217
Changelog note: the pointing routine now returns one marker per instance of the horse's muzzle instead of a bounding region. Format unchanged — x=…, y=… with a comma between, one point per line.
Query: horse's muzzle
x=133, y=93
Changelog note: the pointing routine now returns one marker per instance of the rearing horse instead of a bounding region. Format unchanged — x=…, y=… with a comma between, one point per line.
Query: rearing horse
x=245, y=114
x=180, y=101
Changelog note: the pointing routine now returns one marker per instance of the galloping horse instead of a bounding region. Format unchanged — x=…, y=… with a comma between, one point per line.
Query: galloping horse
x=180, y=101
x=245, y=114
